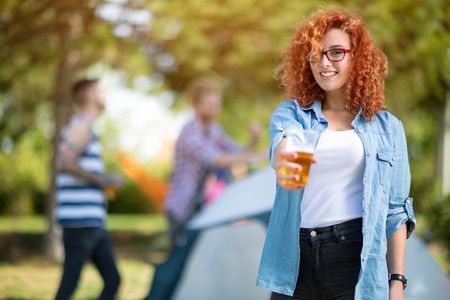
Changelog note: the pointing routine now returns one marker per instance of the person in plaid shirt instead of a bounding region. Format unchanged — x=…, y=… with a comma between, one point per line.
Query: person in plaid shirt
x=201, y=146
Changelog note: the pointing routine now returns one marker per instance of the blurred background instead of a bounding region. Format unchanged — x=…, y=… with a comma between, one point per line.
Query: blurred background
x=145, y=52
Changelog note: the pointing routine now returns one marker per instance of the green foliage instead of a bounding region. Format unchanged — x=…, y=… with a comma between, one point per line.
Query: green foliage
x=239, y=113
x=439, y=214
x=130, y=200
x=26, y=175
x=438, y=221
x=60, y=41
x=60, y=36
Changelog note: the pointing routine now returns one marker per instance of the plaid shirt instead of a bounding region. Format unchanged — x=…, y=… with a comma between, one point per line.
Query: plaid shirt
x=195, y=151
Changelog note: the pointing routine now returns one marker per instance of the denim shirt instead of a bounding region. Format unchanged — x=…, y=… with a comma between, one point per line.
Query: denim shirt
x=386, y=205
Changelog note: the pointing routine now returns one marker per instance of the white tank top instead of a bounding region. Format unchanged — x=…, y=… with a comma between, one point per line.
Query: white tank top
x=334, y=191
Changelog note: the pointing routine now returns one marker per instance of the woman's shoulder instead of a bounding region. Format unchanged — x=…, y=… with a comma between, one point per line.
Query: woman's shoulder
x=386, y=117
x=385, y=122
x=288, y=104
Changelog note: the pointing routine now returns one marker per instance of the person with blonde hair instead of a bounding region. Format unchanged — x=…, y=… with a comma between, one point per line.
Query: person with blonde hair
x=343, y=235
x=201, y=147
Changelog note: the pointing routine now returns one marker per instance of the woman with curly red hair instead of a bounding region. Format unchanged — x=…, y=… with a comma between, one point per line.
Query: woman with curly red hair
x=343, y=235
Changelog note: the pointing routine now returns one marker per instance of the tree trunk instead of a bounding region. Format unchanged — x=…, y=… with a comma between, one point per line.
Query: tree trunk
x=62, y=112
x=443, y=153
x=443, y=163
x=63, y=108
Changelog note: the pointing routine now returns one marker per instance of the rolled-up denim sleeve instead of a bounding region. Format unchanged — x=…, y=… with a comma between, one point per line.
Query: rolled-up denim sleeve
x=283, y=118
x=400, y=204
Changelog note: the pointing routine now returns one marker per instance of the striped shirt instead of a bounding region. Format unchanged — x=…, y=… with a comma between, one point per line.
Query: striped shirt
x=195, y=150
x=81, y=203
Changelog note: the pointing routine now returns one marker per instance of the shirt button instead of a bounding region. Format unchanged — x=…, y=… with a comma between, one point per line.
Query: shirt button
x=369, y=155
x=313, y=233
x=408, y=202
x=392, y=159
x=363, y=259
x=366, y=232
x=366, y=181
x=365, y=206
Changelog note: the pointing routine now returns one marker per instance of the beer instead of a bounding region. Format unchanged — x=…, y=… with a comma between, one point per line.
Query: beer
x=301, y=141
x=304, y=158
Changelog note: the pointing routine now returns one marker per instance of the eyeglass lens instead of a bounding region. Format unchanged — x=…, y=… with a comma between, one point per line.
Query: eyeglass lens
x=332, y=55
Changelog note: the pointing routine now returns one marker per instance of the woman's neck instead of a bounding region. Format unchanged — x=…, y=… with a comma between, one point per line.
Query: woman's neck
x=335, y=101
x=334, y=110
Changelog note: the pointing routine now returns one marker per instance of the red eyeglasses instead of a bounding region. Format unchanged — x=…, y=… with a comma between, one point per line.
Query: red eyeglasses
x=334, y=55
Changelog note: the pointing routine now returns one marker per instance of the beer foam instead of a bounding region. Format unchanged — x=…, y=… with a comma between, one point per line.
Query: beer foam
x=300, y=149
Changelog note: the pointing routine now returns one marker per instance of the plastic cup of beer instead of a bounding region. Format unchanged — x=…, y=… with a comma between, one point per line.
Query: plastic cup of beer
x=302, y=142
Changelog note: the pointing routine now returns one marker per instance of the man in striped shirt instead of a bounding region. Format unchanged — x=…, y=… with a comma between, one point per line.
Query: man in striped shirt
x=80, y=194
x=201, y=146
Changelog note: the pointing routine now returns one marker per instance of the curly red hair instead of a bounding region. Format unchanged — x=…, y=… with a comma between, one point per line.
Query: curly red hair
x=365, y=87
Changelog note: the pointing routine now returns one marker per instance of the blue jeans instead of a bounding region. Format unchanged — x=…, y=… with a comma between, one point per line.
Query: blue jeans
x=329, y=262
x=168, y=274
x=80, y=245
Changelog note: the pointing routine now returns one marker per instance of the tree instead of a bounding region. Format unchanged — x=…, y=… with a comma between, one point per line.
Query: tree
x=62, y=39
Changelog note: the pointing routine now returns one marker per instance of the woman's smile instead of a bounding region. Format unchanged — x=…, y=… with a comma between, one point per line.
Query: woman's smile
x=328, y=74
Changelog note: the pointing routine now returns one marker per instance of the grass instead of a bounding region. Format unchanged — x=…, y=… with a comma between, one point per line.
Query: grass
x=38, y=223
x=35, y=278
x=26, y=224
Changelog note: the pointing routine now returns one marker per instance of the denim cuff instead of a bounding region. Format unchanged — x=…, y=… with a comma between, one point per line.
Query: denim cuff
x=411, y=221
x=400, y=215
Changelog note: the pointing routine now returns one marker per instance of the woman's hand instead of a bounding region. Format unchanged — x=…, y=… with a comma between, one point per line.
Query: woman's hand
x=287, y=171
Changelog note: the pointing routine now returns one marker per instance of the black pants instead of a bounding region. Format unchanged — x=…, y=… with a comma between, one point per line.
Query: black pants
x=80, y=245
x=329, y=262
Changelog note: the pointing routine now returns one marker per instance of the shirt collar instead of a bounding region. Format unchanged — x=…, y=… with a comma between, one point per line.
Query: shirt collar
x=316, y=107
x=357, y=118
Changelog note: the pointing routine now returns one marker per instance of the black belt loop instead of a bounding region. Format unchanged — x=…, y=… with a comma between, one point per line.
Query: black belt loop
x=335, y=231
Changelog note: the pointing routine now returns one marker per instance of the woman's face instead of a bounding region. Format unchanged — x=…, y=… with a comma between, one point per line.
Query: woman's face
x=333, y=76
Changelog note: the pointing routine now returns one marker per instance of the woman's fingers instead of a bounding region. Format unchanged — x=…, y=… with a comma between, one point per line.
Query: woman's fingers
x=288, y=170
x=287, y=174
